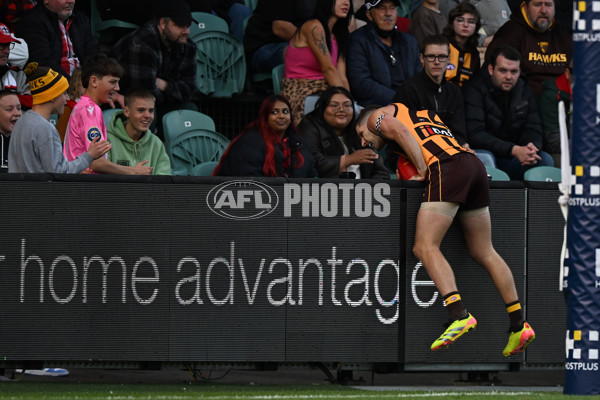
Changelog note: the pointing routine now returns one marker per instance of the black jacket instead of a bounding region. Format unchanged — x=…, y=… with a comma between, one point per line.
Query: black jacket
x=246, y=157
x=327, y=149
x=39, y=27
x=496, y=120
x=421, y=93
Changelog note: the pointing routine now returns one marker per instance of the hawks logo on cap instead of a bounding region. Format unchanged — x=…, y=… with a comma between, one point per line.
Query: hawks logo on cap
x=94, y=133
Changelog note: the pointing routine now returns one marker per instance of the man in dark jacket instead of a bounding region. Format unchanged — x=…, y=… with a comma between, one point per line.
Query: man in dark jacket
x=429, y=90
x=161, y=57
x=381, y=57
x=58, y=36
x=546, y=47
x=503, y=116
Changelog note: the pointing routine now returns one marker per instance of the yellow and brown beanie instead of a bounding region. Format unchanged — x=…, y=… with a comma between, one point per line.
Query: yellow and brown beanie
x=45, y=83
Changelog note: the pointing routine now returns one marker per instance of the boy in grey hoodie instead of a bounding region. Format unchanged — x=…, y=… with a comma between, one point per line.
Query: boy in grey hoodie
x=35, y=143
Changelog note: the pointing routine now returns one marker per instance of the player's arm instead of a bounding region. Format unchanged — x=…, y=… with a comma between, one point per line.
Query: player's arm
x=392, y=129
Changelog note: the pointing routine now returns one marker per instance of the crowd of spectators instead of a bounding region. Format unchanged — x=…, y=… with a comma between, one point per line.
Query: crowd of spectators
x=492, y=102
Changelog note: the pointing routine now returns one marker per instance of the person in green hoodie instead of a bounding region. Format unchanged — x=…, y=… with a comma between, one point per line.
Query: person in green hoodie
x=130, y=135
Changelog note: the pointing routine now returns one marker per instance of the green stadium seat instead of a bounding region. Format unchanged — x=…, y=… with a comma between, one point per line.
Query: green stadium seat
x=54, y=119
x=98, y=25
x=277, y=75
x=251, y=4
x=108, y=115
x=486, y=157
x=205, y=169
x=221, y=68
x=190, y=149
x=178, y=122
x=497, y=174
x=206, y=22
x=543, y=174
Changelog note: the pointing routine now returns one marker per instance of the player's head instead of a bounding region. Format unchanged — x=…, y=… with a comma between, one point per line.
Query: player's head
x=100, y=77
x=368, y=138
x=47, y=86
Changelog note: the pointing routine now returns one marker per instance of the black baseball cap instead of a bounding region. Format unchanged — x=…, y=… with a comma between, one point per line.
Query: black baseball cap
x=362, y=12
x=176, y=10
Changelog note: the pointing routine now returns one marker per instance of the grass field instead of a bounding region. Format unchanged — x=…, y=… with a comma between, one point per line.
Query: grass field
x=212, y=391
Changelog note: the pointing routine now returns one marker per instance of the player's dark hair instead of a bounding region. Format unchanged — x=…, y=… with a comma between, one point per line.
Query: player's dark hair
x=365, y=113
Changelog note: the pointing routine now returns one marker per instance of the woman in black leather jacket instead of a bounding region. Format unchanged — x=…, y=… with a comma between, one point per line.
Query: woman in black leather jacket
x=330, y=131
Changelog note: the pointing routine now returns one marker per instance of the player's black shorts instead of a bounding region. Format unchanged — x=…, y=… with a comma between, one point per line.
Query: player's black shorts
x=461, y=178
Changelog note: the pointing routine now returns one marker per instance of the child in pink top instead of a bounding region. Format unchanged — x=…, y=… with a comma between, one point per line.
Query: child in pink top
x=100, y=77
x=85, y=124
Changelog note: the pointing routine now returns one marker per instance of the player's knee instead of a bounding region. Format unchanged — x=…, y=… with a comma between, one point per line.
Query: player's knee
x=483, y=256
x=419, y=250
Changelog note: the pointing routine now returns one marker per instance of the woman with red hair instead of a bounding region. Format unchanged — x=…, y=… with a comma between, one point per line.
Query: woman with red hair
x=269, y=146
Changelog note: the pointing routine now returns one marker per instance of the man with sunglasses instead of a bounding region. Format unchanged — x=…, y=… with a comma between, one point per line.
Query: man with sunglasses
x=429, y=90
x=12, y=78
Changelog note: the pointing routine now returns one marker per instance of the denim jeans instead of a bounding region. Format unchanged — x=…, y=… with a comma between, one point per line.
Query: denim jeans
x=268, y=57
x=236, y=15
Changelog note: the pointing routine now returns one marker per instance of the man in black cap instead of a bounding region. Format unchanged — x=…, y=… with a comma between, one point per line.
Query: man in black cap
x=160, y=57
x=381, y=56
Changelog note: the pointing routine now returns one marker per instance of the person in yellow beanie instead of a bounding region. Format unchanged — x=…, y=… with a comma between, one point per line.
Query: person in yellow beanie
x=35, y=144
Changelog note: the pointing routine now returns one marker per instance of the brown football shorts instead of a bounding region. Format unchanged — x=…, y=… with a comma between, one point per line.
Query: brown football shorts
x=461, y=178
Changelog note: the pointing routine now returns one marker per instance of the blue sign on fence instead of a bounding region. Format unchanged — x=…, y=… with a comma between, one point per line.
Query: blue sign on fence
x=582, y=284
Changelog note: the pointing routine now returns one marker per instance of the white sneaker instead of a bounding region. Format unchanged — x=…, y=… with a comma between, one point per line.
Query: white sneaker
x=44, y=372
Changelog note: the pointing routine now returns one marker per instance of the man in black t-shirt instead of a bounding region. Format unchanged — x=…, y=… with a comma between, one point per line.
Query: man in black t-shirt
x=270, y=29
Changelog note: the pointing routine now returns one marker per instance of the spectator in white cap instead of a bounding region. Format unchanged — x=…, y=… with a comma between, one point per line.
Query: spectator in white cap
x=12, y=78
